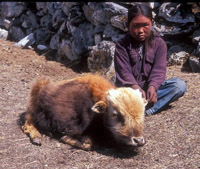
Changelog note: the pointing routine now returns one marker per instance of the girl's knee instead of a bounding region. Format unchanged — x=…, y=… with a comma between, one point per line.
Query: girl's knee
x=179, y=85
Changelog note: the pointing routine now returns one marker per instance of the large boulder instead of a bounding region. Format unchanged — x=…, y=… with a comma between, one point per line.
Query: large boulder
x=179, y=54
x=120, y=21
x=101, y=58
x=83, y=37
x=194, y=64
x=14, y=9
x=176, y=12
x=16, y=33
x=65, y=50
x=101, y=13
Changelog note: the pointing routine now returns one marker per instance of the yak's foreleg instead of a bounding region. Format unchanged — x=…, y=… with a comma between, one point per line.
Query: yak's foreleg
x=85, y=143
x=29, y=129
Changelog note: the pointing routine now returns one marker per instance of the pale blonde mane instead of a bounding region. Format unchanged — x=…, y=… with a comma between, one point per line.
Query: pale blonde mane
x=130, y=104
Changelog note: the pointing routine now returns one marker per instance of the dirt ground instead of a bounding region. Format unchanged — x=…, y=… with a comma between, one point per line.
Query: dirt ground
x=173, y=136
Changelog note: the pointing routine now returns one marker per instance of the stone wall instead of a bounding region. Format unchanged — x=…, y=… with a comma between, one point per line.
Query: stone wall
x=77, y=30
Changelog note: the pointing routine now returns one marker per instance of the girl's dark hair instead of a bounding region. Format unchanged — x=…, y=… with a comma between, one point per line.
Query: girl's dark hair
x=141, y=9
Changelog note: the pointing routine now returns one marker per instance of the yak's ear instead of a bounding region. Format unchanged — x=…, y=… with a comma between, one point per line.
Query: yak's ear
x=99, y=107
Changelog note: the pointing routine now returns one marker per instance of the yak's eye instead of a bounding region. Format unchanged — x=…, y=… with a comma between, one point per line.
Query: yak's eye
x=115, y=113
x=117, y=116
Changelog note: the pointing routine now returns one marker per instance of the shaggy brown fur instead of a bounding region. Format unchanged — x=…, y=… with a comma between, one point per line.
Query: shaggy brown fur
x=67, y=108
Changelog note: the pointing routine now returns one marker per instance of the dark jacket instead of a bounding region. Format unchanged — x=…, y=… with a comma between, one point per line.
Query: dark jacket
x=126, y=62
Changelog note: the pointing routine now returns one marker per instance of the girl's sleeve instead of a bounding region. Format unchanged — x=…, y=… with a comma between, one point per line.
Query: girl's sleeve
x=158, y=73
x=123, y=69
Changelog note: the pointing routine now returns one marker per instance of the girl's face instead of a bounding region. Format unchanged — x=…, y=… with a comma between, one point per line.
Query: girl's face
x=140, y=27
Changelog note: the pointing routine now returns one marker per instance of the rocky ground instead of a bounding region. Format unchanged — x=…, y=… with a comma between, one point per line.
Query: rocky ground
x=173, y=136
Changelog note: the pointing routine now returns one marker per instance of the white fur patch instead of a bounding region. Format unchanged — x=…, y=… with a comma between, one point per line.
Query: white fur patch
x=116, y=94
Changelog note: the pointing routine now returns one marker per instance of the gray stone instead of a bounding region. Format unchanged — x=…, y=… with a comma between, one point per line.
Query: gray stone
x=180, y=47
x=194, y=64
x=30, y=30
x=44, y=8
x=101, y=57
x=115, y=9
x=88, y=10
x=104, y=11
x=196, y=36
x=71, y=29
x=3, y=34
x=58, y=18
x=178, y=58
x=66, y=6
x=25, y=20
x=119, y=21
x=6, y=23
x=12, y=9
x=100, y=13
x=111, y=31
x=41, y=8
x=33, y=19
x=117, y=37
x=83, y=37
x=42, y=35
x=179, y=54
x=63, y=28
x=42, y=47
x=97, y=39
x=164, y=29
x=27, y=41
x=16, y=33
x=154, y=5
x=171, y=12
x=46, y=21
x=130, y=3
x=110, y=74
x=53, y=7
x=65, y=50
x=153, y=15
x=197, y=16
x=54, y=43
x=25, y=24
x=76, y=15
x=198, y=49
x=99, y=28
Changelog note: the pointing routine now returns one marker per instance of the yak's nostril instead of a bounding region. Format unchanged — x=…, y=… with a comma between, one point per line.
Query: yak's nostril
x=139, y=141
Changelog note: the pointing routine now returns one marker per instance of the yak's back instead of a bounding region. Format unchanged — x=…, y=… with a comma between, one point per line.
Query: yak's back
x=61, y=108
x=98, y=84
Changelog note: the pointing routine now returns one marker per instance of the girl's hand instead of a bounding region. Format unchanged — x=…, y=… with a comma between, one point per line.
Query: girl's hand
x=142, y=91
x=151, y=94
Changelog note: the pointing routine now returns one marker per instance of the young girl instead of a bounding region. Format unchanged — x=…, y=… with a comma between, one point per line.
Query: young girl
x=140, y=62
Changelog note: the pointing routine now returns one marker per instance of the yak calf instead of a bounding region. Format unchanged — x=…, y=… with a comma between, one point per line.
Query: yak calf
x=67, y=108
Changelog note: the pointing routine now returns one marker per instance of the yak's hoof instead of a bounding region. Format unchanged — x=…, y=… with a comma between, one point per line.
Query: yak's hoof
x=86, y=147
x=87, y=144
x=36, y=141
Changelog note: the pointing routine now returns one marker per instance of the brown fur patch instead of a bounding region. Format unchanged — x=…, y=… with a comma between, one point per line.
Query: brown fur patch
x=97, y=84
x=59, y=107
